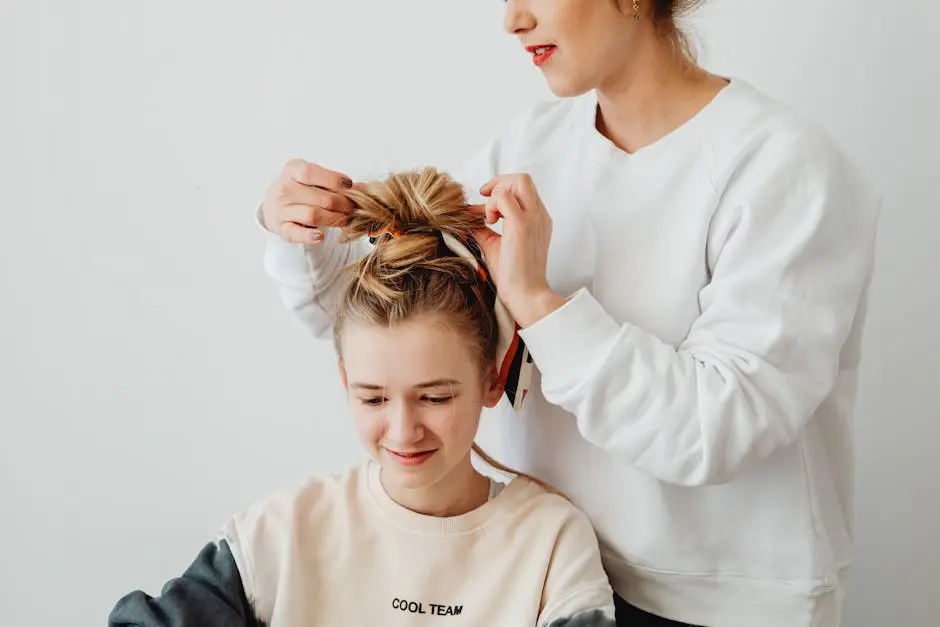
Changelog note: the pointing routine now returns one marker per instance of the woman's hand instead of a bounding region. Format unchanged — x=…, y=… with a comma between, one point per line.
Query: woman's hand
x=302, y=200
x=518, y=258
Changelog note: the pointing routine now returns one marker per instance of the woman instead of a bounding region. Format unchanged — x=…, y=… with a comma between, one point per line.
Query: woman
x=693, y=293
x=416, y=533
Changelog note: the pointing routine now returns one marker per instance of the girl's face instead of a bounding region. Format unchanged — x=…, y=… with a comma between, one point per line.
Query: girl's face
x=416, y=394
x=578, y=44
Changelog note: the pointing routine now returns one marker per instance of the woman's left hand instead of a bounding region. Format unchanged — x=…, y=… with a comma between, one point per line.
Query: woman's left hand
x=518, y=258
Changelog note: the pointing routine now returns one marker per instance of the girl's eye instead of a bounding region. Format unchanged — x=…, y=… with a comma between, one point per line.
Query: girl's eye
x=438, y=400
x=373, y=401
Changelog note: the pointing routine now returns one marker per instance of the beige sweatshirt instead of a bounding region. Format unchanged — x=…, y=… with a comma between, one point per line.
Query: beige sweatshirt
x=340, y=552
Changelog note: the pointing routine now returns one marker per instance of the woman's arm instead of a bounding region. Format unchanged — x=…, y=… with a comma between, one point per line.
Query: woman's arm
x=791, y=254
x=302, y=256
x=307, y=276
x=209, y=594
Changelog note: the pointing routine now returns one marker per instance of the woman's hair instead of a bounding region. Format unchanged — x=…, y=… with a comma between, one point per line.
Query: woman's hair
x=410, y=273
x=667, y=16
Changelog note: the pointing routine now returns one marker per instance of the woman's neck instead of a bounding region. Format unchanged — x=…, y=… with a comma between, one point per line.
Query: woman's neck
x=651, y=96
x=461, y=491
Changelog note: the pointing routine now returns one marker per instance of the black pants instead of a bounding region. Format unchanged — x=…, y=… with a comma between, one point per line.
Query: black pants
x=629, y=616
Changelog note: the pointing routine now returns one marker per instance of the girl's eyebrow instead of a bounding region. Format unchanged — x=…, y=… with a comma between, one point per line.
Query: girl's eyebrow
x=436, y=383
x=365, y=386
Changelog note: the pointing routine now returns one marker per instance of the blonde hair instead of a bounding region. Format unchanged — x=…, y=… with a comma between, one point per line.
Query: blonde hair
x=409, y=273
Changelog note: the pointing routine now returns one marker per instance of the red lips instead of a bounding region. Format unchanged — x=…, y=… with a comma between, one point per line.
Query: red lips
x=541, y=54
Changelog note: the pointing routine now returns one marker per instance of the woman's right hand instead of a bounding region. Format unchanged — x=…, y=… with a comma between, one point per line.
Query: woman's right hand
x=302, y=200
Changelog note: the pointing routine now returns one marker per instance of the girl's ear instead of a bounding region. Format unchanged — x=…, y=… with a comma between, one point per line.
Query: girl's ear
x=492, y=388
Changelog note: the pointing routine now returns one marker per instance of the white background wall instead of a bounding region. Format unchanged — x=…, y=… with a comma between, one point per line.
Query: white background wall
x=152, y=383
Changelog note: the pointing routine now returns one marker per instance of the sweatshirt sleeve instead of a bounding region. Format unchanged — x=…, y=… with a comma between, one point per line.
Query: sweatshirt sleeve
x=307, y=275
x=790, y=255
x=209, y=594
x=577, y=592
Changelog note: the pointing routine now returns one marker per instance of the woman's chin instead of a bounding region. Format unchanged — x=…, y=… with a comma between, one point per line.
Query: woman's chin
x=564, y=87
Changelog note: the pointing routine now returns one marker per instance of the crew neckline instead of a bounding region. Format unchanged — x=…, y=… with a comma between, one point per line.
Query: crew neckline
x=469, y=522
x=696, y=127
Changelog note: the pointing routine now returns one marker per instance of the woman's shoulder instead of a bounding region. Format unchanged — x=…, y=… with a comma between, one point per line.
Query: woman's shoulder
x=762, y=141
x=757, y=123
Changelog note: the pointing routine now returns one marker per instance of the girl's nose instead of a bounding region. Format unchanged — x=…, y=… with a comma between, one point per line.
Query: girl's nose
x=404, y=424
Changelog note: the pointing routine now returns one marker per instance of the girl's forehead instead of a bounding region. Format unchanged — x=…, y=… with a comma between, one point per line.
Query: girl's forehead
x=406, y=355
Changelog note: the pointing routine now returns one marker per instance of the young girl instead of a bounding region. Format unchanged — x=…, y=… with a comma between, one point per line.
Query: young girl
x=416, y=535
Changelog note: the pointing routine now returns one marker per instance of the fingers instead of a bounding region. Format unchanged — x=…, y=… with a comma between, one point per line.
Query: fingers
x=308, y=216
x=304, y=199
x=491, y=210
x=520, y=183
x=299, y=234
x=296, y=194
x=488, y=210
x=313, y=175
x=488, y=239
x=311, y=206
x=521, y=186
x=524, y=188
x=503, y=203
x=488, y=188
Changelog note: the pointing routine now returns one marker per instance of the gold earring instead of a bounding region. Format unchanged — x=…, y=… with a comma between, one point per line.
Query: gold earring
x=636, y=10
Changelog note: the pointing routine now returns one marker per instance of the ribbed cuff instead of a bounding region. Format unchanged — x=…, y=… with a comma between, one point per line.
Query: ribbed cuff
x=565, y=342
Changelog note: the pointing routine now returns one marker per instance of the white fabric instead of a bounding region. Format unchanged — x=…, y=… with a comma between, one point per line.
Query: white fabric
x=696, y=393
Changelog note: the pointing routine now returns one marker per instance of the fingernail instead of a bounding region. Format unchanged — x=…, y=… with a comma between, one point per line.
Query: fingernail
x=346, y=182
x=316, y=236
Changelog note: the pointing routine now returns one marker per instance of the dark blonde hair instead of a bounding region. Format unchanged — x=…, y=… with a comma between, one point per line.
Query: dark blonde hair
x=667, y=16
x=409, y=273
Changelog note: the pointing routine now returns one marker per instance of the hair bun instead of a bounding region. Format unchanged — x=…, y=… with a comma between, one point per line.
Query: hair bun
x=412, y=208
x=417, y=202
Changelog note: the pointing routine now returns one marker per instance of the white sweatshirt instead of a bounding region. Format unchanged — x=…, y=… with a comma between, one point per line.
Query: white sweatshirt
x=696, y=393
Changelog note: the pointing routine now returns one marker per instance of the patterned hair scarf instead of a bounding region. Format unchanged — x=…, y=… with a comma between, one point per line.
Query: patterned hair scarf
x=513, y=359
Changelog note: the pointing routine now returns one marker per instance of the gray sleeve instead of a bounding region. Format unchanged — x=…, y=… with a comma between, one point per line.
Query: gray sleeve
x=209, y=594
x=587, y=618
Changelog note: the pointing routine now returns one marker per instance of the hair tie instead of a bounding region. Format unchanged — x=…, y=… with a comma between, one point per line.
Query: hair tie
x=390, y=230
